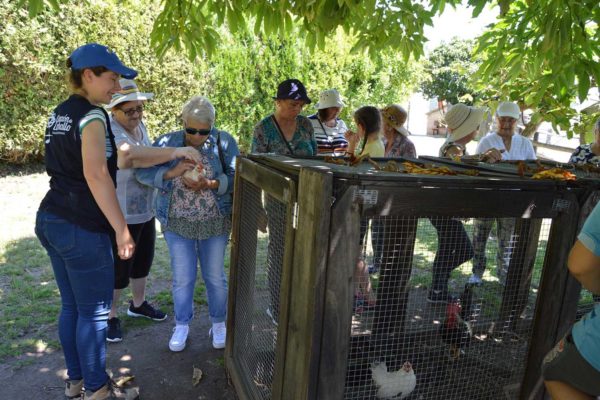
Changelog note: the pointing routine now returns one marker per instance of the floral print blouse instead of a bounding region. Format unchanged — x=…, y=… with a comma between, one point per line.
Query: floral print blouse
x=267, y=138
x=196, y=215
x=583, y=154
x=402, y=147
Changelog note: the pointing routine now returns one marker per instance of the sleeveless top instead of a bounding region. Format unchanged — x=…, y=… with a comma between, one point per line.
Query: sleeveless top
x=69, y=196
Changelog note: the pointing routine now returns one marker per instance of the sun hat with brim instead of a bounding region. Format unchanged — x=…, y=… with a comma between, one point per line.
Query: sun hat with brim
x=462, y=119
x=96, y=55
x=508, y=109
x=292, y=89
x=129, y=92
x=395, y=116
x=329, y=98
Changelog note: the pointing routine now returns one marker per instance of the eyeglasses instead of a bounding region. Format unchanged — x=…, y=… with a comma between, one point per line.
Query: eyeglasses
x=192, y=131
x=131, y=112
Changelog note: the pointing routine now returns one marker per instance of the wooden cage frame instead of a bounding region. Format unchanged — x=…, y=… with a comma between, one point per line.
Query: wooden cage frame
x=315, y=313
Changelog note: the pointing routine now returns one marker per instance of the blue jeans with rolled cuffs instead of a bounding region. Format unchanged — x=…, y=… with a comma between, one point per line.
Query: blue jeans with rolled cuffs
x=84, y=270
x=185, y=254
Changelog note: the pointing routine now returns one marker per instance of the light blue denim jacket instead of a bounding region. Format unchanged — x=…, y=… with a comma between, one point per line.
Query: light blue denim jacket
x=153, y=176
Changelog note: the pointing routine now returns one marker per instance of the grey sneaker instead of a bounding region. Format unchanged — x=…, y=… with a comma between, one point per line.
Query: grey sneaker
x=73, y=389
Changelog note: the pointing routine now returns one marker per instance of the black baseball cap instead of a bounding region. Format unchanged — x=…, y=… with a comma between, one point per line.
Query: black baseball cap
x=292, y=89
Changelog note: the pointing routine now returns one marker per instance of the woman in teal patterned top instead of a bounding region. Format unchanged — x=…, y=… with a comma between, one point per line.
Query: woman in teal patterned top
x=285, y=131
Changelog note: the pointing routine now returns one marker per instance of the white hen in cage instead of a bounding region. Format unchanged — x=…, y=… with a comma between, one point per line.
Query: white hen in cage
x=392, y=384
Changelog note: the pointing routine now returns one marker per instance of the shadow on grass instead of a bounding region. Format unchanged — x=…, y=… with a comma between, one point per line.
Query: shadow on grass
x=30, y=298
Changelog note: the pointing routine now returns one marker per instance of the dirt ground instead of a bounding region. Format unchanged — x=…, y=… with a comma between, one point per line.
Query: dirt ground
x=144, y=353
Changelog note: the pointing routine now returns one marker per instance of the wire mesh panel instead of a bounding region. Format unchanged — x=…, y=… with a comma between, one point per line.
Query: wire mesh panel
x=259, y=269
x=377, y=284
x=444, y=306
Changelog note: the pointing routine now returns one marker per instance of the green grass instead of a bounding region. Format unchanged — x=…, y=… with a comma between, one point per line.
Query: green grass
x=28, y=293
x=489, y=295
x=31, y=302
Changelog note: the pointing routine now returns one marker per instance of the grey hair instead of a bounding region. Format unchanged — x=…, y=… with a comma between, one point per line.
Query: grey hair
x=199, y=109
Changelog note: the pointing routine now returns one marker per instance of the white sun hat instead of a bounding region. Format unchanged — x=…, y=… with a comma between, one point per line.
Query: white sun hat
x=329, y=98
x=462, y=119
x=129, y=92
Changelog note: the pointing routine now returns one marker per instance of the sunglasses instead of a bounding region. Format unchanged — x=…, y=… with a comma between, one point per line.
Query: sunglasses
x=202, y=132
x=131, y=112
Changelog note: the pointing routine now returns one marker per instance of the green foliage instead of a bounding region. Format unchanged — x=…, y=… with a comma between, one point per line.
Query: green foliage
x=544, y=54
x=189, y=24
x=33, y=55
x=239, y=77
x=449, y=69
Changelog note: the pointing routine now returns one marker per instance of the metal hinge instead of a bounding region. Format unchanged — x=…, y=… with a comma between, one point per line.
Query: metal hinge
x=295, y=215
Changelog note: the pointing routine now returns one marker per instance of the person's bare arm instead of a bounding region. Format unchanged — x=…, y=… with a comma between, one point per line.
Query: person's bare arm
x=585, y=267
x=95, y=171
x=143, y=157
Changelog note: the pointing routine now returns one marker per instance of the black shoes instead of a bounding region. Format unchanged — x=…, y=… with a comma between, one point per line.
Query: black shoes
x=438, y=296
x=114, y=333
x=147, y=311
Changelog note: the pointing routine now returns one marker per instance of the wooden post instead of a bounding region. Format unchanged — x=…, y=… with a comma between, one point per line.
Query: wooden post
x=251, y=180
x=520, y=269
x=238, y=277
x=339, y=294
x=555, y=296
x=308, y=285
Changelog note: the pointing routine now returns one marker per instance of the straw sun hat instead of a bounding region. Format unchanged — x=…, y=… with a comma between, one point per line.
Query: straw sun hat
x=462, y=120
x=395, y=116
x=129, y=92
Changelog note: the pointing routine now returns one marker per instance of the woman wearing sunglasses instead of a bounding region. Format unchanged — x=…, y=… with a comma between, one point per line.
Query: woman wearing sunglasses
x=136, y=200
x=195, y=215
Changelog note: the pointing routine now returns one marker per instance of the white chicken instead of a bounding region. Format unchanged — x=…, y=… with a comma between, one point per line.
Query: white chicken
x=392, y=384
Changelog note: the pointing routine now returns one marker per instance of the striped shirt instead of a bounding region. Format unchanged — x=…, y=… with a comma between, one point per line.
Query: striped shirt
x=329, y=139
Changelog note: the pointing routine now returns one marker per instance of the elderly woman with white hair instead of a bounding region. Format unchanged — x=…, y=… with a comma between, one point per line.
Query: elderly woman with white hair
x=193, y=205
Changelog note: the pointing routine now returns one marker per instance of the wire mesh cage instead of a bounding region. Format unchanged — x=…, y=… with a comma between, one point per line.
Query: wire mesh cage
x=463, y=323
x=372, y=284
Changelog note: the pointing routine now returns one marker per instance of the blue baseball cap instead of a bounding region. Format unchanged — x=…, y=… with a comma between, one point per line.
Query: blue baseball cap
x=95, y=55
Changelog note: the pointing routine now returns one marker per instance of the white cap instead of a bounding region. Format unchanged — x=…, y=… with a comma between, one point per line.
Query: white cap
x=508, y=109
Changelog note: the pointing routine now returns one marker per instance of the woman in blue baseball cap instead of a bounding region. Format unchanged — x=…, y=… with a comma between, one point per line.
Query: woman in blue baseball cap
x=78, y=213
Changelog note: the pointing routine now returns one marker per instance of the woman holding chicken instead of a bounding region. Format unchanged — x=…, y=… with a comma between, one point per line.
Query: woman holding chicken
x=194, y=210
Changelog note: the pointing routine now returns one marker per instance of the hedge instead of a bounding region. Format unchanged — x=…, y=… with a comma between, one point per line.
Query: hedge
x=240, y=77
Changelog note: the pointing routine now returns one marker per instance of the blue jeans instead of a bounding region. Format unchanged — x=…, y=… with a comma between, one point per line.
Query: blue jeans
x=84, y=272
x=185, y=254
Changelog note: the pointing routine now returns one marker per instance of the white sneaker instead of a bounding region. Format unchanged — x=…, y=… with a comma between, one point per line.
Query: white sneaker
x=475, y=280
x=219, y=333
x=180, y=333
x=270, y=315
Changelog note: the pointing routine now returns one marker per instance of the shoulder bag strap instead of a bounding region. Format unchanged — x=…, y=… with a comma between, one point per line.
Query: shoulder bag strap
x=220, y=150
x=282, y=136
